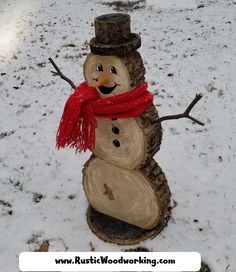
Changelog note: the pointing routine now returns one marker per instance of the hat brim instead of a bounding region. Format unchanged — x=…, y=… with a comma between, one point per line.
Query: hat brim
x=116, y=49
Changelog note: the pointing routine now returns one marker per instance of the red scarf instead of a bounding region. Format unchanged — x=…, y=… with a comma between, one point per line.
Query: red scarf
x=78, y=122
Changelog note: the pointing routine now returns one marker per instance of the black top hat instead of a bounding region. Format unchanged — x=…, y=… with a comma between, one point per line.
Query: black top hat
x=113, y=35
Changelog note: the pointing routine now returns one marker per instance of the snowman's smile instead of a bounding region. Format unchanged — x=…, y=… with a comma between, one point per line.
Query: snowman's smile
x=106, y=90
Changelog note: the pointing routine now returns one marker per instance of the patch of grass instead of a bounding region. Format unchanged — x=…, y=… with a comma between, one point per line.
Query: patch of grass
x=34, y=238
x=125, y=6
x=37, y=197
x=5, y=203
x=6, y=134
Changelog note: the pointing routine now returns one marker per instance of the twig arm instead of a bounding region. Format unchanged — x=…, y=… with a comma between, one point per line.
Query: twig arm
x=59, y=73
x=185, y=114
x=193, y=103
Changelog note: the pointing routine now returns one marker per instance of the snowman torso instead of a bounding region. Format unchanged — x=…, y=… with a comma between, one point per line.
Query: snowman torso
x=120, y=141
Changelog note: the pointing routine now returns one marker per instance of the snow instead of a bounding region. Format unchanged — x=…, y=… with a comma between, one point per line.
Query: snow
x=186, y=50
x=171, y=4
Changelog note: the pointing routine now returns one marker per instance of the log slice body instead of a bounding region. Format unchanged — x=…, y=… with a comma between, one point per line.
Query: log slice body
x=138, y=197
x=128, y=142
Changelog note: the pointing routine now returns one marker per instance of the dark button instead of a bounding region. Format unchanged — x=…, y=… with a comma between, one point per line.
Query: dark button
x=115, y=130
x=116, y=143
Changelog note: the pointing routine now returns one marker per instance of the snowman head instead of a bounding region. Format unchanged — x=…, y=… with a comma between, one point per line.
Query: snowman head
x=114, y=66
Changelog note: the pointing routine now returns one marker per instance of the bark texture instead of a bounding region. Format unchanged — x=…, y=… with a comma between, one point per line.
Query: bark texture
x=134, y=64
x=112, y=28
x=152, y=133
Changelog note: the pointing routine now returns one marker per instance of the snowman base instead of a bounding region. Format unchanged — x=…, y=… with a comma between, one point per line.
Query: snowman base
x=118, y=232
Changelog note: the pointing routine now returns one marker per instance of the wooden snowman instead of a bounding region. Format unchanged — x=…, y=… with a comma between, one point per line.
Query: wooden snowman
x=112, y=114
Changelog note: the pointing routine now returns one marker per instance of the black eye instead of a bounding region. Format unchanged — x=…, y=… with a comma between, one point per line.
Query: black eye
x=99, y=67
x=113, y=70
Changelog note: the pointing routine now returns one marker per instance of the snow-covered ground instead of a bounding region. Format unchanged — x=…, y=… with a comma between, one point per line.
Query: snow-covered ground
x=186, y=50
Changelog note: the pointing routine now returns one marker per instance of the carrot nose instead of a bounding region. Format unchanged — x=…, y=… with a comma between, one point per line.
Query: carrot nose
x=101, y=81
